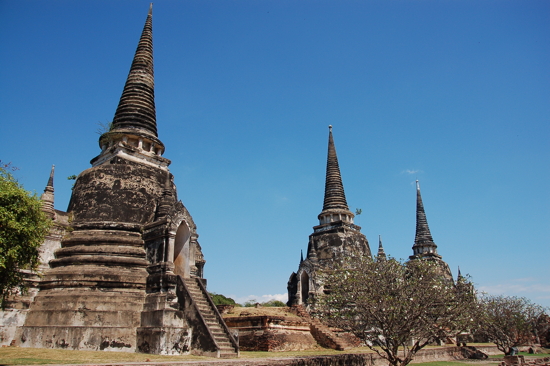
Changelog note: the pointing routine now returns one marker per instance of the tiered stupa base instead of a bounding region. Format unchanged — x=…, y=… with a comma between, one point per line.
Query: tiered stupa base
x=93, y=296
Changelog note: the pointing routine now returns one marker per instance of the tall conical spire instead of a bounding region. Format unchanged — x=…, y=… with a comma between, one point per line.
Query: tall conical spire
x=335, y=197
x=381, y=254
x=136, y=108
x=133, y=132
x=47, y=197
x=423, y=242
x=335, y=206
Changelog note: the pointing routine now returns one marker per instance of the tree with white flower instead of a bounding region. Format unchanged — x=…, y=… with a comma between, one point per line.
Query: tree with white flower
x=396, y=308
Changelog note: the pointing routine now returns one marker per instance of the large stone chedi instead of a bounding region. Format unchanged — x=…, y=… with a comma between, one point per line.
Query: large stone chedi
x=128, y=275
x=333, y=240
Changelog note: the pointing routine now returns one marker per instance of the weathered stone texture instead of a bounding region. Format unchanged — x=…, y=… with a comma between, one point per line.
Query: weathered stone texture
x=333, y=245
x=119, y=191
x=272, y=333
x=117, y=281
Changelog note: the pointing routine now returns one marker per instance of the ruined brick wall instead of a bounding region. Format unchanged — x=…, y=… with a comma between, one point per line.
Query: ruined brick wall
x=272, y=333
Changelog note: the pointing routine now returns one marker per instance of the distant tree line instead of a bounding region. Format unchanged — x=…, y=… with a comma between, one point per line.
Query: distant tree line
x=219, y=299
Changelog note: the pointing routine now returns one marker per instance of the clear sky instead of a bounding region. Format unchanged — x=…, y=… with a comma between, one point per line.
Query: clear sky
x=454, y=93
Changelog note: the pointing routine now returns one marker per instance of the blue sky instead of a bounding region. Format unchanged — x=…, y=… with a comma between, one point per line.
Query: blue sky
x=454, y=93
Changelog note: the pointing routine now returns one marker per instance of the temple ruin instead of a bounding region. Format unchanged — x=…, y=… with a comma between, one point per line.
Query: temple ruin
x=122, y=269
x=125, y=267
x=337, y=238
x=334, y=239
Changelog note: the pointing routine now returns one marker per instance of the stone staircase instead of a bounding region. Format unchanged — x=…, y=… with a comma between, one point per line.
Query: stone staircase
x=226, y=345
x=322, y=334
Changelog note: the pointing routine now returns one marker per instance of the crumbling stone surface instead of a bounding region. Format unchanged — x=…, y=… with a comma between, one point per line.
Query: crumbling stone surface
x=334, y=245
x=473, y=353
x=118, y=191
x=272, y=333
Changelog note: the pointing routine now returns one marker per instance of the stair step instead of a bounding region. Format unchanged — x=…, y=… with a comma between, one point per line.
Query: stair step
x=211, y=319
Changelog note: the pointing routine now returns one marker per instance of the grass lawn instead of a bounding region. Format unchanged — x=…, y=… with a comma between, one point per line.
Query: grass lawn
x=456, y=363
x=38, y=356
x=526, y=354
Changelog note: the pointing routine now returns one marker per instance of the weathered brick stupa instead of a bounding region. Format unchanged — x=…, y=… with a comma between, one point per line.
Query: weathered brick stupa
x=333, y=240
x=424, y=246
x=128, y=275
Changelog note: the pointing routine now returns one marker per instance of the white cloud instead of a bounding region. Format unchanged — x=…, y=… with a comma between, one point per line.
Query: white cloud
x=528, y=287
x=262, y=298
x=411, y=171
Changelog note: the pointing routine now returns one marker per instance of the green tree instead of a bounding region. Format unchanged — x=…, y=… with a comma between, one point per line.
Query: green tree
x=510, y=321
x=219, y=299
x=23, y=227
x=274, y=303
x=250, y=303
x=395, y=308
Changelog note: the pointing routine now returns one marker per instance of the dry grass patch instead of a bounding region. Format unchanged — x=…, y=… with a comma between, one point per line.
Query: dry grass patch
x=317, y=351
x=261, y=311
x=457, y=363
x=38, y=356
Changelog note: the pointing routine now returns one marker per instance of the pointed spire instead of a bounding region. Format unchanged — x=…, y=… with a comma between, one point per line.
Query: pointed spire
x=47, y=197
x=136, y=108
x=423, y=241
x=459, y=276
x=381, y=254
x=335, y=206
x=335, y=197
x=50, y=180
x=301, y=256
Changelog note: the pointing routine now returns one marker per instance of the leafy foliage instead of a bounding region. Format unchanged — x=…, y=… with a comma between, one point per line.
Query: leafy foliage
x=271, y=303
x=250, y=303
x=390, y=305
x=221, y=300
x=511, y=321
x=23, y=227
x=274, y=303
